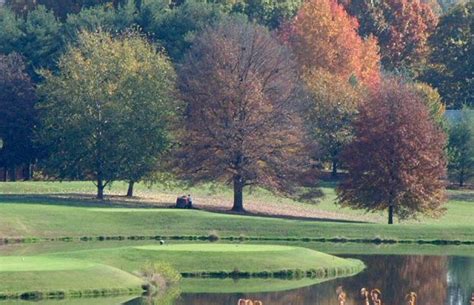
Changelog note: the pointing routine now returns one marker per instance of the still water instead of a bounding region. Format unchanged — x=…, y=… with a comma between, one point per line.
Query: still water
x=437, y=280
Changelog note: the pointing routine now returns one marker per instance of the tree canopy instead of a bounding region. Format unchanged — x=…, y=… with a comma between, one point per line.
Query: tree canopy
x=396, y=160
x=106, y=113
x=332, y=105
x=402, y=28
x=241, y=123
x=17, y=113
x=323, y=36
x=452, y=61
x=36, y=37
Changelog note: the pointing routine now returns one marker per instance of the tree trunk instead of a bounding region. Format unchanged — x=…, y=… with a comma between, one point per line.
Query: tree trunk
x=5, y=174
x=100, y=189
x=29, y=172
x=238, y=195
x=390, y=214
x=461, y=179
x=334, y=168
x=130, y=188
x=12, y=173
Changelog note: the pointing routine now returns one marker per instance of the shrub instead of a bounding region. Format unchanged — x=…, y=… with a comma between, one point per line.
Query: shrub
x=160, y=275
x=213, y=236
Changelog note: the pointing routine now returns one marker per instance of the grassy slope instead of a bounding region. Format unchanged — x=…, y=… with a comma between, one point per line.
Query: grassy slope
x=68, y=301
x=44, y=249
x=43, y=274
x=36, y=220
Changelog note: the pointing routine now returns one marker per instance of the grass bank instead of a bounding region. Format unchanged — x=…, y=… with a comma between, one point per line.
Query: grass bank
x=222, y=260
x=46, y=277
x=28, y=249
x=44, y=220
x=114, y=271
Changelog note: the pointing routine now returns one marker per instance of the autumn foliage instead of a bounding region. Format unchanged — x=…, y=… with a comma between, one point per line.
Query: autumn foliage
x=241, y=125
x=323, y=36
x=402, y=28
x=396, y=160
x=411, y=24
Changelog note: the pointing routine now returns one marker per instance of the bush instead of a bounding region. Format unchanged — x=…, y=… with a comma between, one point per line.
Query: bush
x=160, y=275
x=213, y=236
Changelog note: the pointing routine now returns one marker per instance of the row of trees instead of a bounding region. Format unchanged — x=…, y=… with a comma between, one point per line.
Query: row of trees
x=247, y=106
x=412, y=38
x=242, y=120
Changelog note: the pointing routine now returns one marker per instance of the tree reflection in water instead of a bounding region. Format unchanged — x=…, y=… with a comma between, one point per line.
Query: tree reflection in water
x=436, y=280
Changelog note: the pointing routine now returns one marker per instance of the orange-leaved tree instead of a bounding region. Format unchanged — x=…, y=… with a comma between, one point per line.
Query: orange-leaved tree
x=396, y=160
x=241, y=123
x=323, y=36
x=402, y=28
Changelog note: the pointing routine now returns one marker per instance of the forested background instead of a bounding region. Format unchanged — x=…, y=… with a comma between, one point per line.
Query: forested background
x=295, y=75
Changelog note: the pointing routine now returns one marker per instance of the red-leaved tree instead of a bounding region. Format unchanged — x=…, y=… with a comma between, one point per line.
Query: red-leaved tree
x=241, y=123
x=396, y=160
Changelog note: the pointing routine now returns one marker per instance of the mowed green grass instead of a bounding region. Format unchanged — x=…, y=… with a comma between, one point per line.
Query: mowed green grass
x=33, y=215
x=206, y=257
x=51, y=221
x=38, y=274
x=115, y=269
x=459, y=208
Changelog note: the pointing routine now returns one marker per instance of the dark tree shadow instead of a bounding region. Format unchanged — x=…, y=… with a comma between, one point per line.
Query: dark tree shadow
x=467, y=196
x=117, y=201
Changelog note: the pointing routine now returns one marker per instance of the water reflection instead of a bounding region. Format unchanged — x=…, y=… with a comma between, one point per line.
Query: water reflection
x=437, y=280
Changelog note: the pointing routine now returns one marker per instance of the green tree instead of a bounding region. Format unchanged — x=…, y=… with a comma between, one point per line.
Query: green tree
x=452, y=60
x=36, y=37
x=176, y=28
x=104, y=17
x=11, y=32
x=433, y=101
x=61, y=8
x=150, y=11
x=106, y=113
x=270, y=13
x=461, y=147
x=17, y=113
x=332, y=105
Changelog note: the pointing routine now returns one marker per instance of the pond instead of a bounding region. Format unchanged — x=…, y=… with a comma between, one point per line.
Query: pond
x=437, y=280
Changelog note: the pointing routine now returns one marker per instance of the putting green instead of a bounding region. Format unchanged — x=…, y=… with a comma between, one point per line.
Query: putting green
x=38, y=263
x=217, y=257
